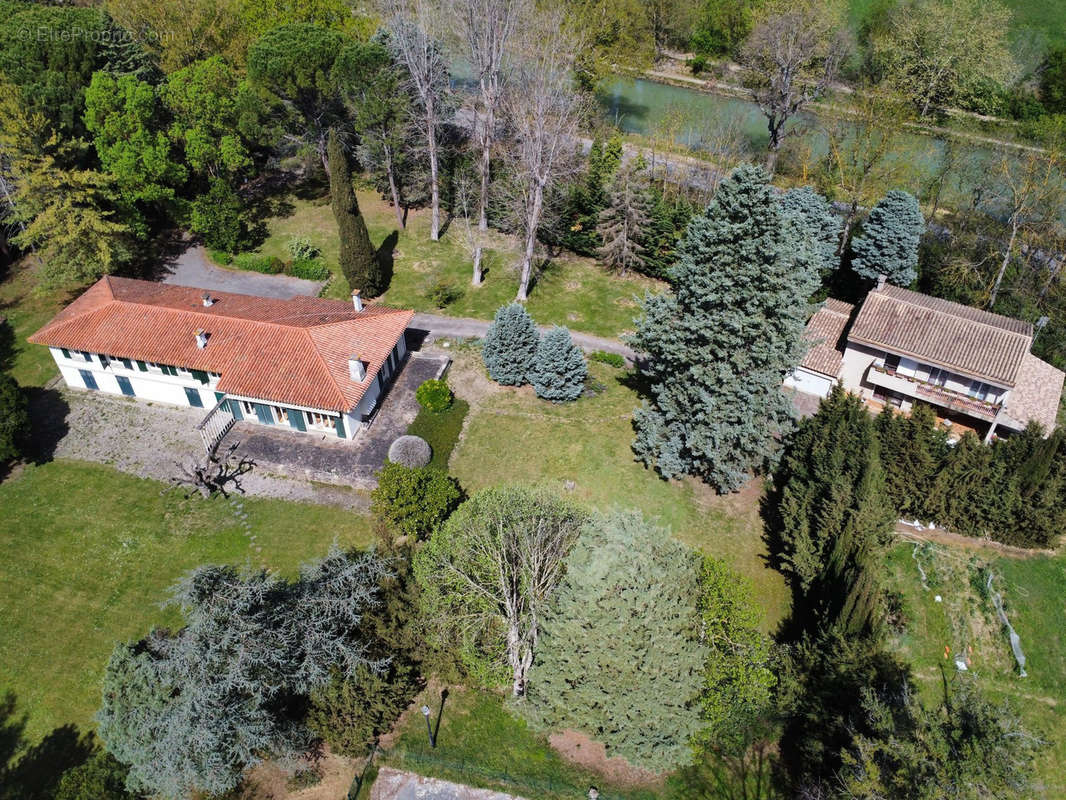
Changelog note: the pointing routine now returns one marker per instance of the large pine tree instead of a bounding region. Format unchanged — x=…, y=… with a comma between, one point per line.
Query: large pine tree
x=510, y=345
x=720, y=344
x=559, y=369
x=889, y=242
x=623, y=224
x=814, y=214
x=359, y=264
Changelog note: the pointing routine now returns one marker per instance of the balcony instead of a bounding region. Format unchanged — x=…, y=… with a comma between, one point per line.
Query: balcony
x=938, y=395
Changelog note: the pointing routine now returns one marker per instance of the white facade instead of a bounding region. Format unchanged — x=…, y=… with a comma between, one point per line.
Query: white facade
x=809, y=382
x=178, y=386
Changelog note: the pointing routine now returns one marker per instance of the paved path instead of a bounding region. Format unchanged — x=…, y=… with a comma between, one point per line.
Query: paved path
x=465, y=327
x=192, y=268
x=394, y=784
x=325, y=459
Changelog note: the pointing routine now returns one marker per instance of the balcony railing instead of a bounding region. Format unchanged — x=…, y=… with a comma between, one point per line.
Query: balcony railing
x=947, y=398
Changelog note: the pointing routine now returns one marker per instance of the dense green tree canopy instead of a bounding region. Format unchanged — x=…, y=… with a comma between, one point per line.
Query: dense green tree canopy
x=14, y=418
x=817, y=221
x=620, y=656
x=559, y=369
x=889, y=241
x=719, y=345
x=510, y=345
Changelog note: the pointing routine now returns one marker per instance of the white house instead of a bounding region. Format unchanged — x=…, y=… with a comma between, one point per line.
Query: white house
x=903, y=347
x=307, y=363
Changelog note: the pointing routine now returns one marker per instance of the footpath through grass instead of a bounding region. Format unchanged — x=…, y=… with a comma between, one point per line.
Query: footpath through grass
x=1034, y=597
x=572, y=291
x=87, y=554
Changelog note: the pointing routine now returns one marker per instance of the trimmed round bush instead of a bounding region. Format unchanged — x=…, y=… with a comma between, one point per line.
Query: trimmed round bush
x=434, y=395
x=410, y=451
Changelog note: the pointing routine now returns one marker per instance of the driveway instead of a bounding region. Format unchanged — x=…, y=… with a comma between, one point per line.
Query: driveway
x=193, y=268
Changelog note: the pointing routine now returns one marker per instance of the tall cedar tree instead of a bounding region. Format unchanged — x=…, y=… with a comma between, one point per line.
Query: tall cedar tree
x=833, y=517
x=559, y=369
x=510, y=345
x=14, y=418
x=619, y=656
x=889, y=242
x=358, y=263
x=816, y=218
x=719, y=345
x=912, y=450
x=623, y=224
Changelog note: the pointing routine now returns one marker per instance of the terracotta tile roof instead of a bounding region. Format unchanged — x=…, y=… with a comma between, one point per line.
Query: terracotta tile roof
x=1036, y=394
x=966, y=340
x=825, y=330
x=286, y=351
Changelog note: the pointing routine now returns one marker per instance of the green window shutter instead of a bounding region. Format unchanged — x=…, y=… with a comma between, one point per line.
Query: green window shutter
x=126, y=363
x=66, y=353
x=142, y=366
x=235, y=409
x=194, y=398
x=263, y=412
x=125, y=386
x=219, y=396
x=296, y=419
x=199, y=375
x=339, y=422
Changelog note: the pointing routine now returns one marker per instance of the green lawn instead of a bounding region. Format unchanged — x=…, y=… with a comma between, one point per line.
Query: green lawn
x=1034, y=591
x=26, y=310
x=572, y=291
x=511, y=435
x=87, y=553
x=481, y=744
x=1047, y=17
x=441, y=430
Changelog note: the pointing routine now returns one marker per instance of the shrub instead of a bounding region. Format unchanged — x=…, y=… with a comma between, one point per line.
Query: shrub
x=411, y=451
x=14, y=418
x=697, y=64
x=348, y=714
x=559, y=367
x=414, y=500
x=253, y=262
x=219, y=216
x=220, y=257
x=101, y=777
x=610, y=359
x=441, y=430
x=312, y=269
x=434, y=395
x=301, y=248
x=510, y=344
x=444, y=293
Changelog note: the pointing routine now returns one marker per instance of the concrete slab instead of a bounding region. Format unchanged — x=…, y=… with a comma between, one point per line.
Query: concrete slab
x=394, y=784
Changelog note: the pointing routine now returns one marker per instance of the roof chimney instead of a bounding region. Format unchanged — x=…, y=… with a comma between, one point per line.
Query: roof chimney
x=208, y=300
x=201, y=338
x=357, y=301
x=881, y=279
x=356, y=369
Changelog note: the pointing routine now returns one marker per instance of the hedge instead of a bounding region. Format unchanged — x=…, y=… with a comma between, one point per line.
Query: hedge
x=253, y=262
x=310, y=269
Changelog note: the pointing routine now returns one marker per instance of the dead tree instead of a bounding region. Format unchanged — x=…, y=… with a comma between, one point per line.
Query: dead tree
x=416, y=43
x=214, y=472
x=486, y=28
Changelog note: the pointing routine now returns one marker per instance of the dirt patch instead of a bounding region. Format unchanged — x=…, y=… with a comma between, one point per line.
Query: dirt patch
x=270, y=782
x=742, y=502
x=960, y=541
x=467, y=376
x=579, y=749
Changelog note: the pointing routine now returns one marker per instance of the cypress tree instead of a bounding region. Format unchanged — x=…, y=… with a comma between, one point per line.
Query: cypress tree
x=361, y=268
x=510, y=345
x=889, y=242
x=559, y=369
x=619, y=656
x=816, y=219
x=720, y=344
x=14, y=418
x=912, y=450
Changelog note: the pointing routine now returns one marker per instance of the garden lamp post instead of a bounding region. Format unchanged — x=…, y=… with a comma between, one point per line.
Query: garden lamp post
x=429, y=727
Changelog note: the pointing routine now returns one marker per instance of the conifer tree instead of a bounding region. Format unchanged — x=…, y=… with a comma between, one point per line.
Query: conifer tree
x=912, y=450
x=358, y=263
x=832, y=516
x=14, y=418
x=889, y=242
x=720, y=344
x=816, y=219
x=559, y=369
x=510, y=345
x=623, y=224
x=619, y=654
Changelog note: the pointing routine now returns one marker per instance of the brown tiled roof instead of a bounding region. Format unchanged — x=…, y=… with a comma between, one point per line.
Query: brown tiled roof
x=1036, y=394
x=966, y=340
x=286, y=351
x=824, y=331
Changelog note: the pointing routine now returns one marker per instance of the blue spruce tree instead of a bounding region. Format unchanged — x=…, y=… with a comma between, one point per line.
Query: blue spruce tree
x=559, y=367
x=510, y=344
x=890, y=238
x=720, y=344
x=815, y=217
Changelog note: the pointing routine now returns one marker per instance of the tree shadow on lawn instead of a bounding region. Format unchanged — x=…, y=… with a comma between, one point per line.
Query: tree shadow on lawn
x=33, y=772
x=386, y=259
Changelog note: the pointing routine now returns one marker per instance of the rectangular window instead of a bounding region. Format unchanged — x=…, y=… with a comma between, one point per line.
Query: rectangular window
x=86, y=356
x=125, y=386
x=199, y=375
x=193, y=396
x=142, y=366
x=891, y=362
x=978, y=390
x=65, y=352
x=318, y=420
x=937, y=376
x=248, y=408
x=281, y=415
x=88, y=379
x=127, y=363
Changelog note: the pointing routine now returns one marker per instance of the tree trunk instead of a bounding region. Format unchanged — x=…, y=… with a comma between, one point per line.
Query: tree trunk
x=775, y=144
x=485, y=168
x=434, y=184
x=393, y=190
x=518, y=673
x=1006, y=261
x=845, y=232
x=531, y=240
